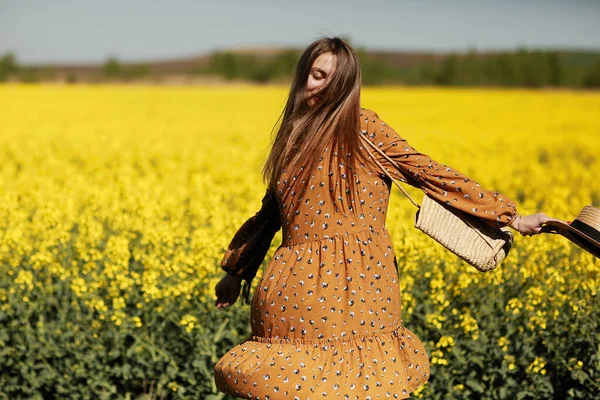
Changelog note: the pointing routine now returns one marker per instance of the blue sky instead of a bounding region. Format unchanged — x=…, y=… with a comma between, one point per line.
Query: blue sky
x=87, y=31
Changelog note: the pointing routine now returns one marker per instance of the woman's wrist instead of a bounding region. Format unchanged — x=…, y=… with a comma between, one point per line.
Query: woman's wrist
x=516, y=223
x=234, y=277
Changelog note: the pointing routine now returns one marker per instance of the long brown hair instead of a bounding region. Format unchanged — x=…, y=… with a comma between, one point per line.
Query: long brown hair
x=304, y=133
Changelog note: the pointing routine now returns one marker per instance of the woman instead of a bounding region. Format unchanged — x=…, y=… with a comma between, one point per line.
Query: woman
x=326, y=315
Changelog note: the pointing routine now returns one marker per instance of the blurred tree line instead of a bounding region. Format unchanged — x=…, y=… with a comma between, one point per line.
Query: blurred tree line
x=520, y=68
x=113, y=69
x=250, y=67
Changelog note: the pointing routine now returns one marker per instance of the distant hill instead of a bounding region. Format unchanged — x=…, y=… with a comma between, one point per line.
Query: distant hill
x=523, y=67
x=191, y=64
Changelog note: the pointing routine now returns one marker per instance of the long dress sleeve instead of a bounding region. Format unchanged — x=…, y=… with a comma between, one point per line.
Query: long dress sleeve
x=251, y=242
x=440, y=181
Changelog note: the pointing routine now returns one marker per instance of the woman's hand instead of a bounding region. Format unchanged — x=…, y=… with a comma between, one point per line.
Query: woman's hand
x=228, y=290
x=529, y=225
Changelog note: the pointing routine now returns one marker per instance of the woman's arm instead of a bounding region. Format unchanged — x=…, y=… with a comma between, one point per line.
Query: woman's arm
x=247, y=250
x=440, y=181
x=445, y=183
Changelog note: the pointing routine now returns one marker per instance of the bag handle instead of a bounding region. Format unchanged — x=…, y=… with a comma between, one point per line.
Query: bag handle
x=384, y=170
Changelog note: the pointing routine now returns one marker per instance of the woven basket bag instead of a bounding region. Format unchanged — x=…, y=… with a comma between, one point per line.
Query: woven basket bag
x=477, y=243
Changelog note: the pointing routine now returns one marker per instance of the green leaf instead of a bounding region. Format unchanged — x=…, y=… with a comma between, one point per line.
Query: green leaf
x=502, y=392
x=475, y=386
x=219, y=332
x=215, y=396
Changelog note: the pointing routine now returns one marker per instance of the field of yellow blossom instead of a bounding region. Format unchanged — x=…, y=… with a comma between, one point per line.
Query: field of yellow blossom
x=116, y=204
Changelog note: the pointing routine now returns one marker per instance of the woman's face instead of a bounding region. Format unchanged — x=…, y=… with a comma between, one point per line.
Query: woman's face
x=320, y=73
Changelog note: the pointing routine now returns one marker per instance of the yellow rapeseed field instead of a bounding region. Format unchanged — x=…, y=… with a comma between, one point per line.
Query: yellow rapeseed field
x=129, y=195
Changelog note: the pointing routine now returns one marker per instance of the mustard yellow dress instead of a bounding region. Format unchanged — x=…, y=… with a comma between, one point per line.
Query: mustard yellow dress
x=326, y=314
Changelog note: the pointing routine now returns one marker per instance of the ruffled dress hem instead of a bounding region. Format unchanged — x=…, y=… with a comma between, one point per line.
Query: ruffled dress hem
x=361, y=366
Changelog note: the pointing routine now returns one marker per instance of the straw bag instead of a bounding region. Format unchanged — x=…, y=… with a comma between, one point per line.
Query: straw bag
x=477, y=243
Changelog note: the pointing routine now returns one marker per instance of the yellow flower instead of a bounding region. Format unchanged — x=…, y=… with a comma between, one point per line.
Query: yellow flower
x=537, y=366
x=510, y=362
x=437, y=357
x=469, y=325
x=503, y=343
x=445, y=342
x=118, y=317
x=189, y=321
x=419, y=391
x=435, y=320
x=575, y=363
x=25, y=279
x=118, y=303
x=514, y=305
x=458, y=388
x=172, y=386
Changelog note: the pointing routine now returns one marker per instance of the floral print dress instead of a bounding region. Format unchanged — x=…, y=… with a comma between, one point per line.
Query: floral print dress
x=326, y=314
